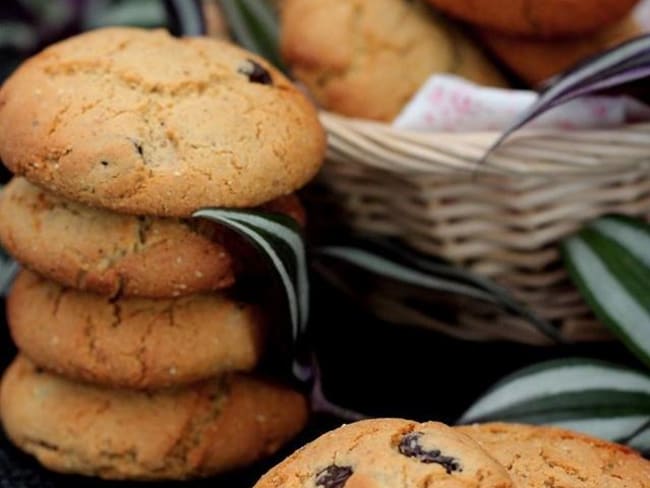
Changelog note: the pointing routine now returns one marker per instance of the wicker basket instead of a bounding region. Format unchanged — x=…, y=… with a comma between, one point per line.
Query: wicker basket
x=502, y=219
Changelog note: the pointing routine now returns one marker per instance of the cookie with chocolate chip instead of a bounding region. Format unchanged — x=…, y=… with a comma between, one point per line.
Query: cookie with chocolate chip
x=194, y=431
x=393, y=453
x=115, y=254
x=143, y=123
x=541, y=457
x=134, y=343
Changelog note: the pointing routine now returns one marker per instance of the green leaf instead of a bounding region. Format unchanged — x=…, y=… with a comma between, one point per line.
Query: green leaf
x=278, y=238
x=609, y=261
x=144, y=13
x=397, y=271
x=396, y=262
x=186, y=16
x=8, y=269
x=595, y=397
x=255, y=27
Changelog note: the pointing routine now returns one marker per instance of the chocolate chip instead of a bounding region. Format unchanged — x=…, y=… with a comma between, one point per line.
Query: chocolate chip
x=138, y=147
x=410, y=447
x=333, y=476
x=256, y=73
x=103, y=162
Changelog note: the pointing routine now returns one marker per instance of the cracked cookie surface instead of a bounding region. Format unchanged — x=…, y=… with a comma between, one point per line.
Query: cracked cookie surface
x=115, y=254
x=545, y=19
x=547, y=457
x=366, y=58
x=199, y=430
x=389, y=453
x=132, y=342
x=143, y=123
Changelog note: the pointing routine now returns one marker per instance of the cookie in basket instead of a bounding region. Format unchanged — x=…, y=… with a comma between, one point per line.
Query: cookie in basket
x=134, y=343
x=541, y=19
x=388, y=453
x=143, y=123
x=539, y=457
x=537, y=60
x=115, y=254
x=196, y=431
x=366, y=58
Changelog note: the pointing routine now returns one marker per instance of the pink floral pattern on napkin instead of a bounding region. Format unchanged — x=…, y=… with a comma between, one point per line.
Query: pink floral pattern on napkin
x=451, y=104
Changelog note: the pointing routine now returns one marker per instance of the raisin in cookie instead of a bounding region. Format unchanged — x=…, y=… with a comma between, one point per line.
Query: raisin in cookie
x=542, y=457
x=389, y=453
x=141, y=122
x=542, y=19
x=132, y=342
x=114, y=254
x=366, y=58
x=195, y=431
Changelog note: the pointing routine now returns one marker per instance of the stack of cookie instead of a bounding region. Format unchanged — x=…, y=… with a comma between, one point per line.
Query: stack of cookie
x=399, y=453
x=135, y=358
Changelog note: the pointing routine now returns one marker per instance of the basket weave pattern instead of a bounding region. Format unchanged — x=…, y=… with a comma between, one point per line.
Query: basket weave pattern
x=503, y=218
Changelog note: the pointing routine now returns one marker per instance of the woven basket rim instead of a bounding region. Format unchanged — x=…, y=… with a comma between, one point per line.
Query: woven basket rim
x=529, y=152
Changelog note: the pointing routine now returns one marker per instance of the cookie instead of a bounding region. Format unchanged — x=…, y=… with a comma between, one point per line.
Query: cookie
x=389, y=453
x=132, y=342
x=537, y=60
x=541, y=457
x=115, y=254
x=367, y=58
x=196, y=431
x=144, y=123
x=540, y=19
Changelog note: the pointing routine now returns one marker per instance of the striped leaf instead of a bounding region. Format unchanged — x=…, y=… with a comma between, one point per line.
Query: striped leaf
x=598, y=398
x=609, y=261
x=181, y=17
x=278, y=238
x=397, y=263
x=254, y=25
x=613, y=69
x=8, y=270
x=185, y=17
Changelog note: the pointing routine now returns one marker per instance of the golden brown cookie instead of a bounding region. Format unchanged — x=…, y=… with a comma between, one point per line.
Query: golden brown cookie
x=132, y=342
x=542, y=457
x=143, y=123
x=195, y=431
x=115, y=254
x=541, y=19
x=367, y=58
x=536, y=60
x=385, y=453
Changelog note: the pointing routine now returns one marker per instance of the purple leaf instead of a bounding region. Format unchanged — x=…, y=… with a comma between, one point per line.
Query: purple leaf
x=616, y=67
